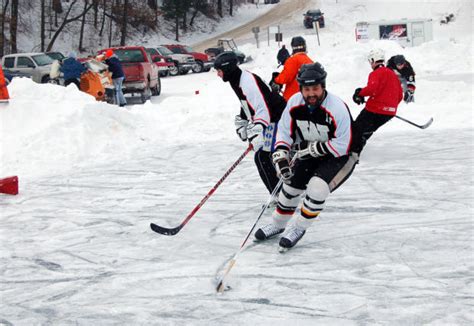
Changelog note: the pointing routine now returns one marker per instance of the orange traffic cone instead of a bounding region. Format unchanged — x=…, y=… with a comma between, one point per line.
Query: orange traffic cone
x=3, y=87
x=9, y=185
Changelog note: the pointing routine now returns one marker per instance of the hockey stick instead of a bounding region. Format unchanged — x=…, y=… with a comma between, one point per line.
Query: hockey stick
x=173, y=231
x=426, y=125
x=220, y=286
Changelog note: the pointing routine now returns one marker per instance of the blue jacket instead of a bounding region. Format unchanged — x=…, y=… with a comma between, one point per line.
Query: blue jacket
x=72, y=69
x=115, y=67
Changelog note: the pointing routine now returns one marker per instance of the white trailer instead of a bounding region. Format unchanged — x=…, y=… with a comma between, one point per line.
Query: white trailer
x=407, y=32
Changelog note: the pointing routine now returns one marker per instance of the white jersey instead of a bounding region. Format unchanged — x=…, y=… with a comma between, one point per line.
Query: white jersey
x=329, y=124
x=259, y=104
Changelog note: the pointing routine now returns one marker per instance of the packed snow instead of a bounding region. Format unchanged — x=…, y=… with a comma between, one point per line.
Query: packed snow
x=394, y=246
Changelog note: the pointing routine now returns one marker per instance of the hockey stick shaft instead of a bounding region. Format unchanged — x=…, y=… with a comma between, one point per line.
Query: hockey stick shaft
x=173, y=231
x=220, y=285
x=424, y=126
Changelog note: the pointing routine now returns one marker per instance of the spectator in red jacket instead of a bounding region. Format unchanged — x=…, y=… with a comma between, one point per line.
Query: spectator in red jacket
x=384, y=92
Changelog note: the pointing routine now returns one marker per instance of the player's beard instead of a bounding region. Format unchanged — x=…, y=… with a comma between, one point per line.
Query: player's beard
x=314, y=101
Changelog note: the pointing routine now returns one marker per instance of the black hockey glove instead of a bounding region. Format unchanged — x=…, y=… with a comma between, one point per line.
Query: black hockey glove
x=241, y=127
x=282, y=165
x=274, y=86
x=409, y=96
x=357, y=98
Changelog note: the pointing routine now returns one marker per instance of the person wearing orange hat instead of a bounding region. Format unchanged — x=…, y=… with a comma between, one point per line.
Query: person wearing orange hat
x=118, y=76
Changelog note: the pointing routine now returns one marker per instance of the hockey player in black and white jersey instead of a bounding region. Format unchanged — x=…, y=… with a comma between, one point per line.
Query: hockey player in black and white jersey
x=260, y=111
x=406, y=74
x=320, y=122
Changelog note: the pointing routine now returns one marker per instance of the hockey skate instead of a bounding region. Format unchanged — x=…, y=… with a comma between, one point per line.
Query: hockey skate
x=268, y=231
x=290, y=239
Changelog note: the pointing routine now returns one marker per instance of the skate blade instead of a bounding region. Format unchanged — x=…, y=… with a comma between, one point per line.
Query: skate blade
x=282, y=250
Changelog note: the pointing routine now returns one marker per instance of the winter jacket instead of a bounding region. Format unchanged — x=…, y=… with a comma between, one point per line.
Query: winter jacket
x=115, y=67
x=384, y=91
x=72, y=69
x=406, y=72
x=290, y=71
x=258, y=103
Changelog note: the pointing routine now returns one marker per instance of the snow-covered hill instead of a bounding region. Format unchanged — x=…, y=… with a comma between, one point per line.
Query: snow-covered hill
x=393, y=247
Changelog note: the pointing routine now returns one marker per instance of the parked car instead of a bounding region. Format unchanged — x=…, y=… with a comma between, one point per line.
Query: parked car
x=163, y=63
x=227, y=44
x=183, y=62
x=271, y=1
x=36, y=65
x=203, y=63
x=56, y=56
x=311, y=16
x=141, y=74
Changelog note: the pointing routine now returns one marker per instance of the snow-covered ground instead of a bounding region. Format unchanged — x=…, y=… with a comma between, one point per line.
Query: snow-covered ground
x=394, y=246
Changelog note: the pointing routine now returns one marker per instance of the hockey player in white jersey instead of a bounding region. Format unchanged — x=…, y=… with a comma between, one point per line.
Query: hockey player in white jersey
x=318, y=124
x=260, y=111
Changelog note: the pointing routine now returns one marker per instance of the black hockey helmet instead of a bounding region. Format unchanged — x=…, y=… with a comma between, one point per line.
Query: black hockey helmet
x=399, y=59
x=226, y=61
x=312, y=74
x=298, y=44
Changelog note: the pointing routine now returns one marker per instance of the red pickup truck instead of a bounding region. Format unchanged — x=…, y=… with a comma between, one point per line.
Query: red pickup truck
x=141, y=74
x=203, y=62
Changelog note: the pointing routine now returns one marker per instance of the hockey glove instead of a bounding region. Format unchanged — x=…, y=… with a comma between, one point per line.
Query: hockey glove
x=357, y=98
x=409, y=95
x=274, y=86
x=255, y=135
x=314, y=149
x=282, y=165
x=241, y=127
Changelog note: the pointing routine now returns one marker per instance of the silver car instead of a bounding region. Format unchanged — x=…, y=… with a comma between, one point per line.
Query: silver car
x=36, y=65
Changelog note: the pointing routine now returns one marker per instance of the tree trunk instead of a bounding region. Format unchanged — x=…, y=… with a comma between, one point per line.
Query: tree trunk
x=42, y=25
x=124, y=23
x=231, y=7
x=219, y=8
x=102, y=25
x=83, y=23
x=2, y=28
x=14, y=26
x=176, y=21
x=96, y=13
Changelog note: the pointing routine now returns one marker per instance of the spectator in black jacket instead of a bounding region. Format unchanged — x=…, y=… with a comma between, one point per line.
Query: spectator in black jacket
x=406, y=74
x=115, y=67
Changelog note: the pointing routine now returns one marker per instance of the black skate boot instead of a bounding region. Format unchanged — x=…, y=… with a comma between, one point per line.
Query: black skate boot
x=291, y=238
x=268, y=231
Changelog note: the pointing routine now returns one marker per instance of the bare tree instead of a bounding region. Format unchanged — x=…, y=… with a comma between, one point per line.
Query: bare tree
x=43, y=23
x=2, y=27
x=83, y=23
x=14, y=26
x=231, y=7
x=124, y=23
x=219, y=8
x=66, y=21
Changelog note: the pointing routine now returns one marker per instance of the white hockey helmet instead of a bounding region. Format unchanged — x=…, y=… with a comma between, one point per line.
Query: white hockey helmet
x=376, y=55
